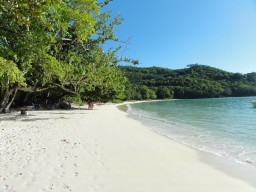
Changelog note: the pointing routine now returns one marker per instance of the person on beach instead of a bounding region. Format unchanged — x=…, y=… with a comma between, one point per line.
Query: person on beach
x=90, y=105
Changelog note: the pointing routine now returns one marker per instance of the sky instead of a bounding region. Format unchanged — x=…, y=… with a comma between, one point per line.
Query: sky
x=175, y=33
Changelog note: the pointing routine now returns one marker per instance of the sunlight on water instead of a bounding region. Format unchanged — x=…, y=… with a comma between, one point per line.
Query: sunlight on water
x=223, y=126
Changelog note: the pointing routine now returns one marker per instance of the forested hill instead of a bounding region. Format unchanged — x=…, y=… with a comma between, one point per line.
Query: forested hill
x=195, y=81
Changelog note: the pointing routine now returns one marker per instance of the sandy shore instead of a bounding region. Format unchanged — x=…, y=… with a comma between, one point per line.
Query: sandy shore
x=101, y=150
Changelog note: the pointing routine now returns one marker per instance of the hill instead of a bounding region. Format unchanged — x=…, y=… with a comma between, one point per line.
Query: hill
x=195, y=81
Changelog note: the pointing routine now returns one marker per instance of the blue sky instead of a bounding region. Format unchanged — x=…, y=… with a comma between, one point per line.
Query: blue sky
x=175, y=33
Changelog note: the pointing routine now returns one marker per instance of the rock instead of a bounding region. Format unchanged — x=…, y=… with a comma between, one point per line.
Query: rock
x=23, y=112
x=65, y=105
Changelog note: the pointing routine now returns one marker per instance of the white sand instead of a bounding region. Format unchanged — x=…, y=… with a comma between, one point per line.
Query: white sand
x=101, y=150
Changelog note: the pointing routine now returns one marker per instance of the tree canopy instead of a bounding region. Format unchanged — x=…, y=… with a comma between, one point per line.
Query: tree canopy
x=58, y=46
x=195, y=81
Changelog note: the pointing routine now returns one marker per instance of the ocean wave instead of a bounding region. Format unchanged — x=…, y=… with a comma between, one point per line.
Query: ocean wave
x=199, y=138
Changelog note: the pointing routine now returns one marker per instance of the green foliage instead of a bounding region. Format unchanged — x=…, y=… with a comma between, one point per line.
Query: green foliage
x=117, y=101
x=56, y=47
x=76, y=99
x=152, y=94
x=144, y=91
x=164, y=93
x=196, y=81
x=10, y=75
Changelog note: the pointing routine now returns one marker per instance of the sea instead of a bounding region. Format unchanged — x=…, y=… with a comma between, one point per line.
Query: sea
x=222, y=126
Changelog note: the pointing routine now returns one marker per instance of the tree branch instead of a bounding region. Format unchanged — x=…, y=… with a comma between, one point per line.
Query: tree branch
x=34, y=89
x=64, y=88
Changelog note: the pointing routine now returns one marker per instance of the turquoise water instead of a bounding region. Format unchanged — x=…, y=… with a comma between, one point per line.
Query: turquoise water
x=225, y=126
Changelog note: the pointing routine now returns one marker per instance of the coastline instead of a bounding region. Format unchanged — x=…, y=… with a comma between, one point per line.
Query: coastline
x=231, y=167
x=101, y=150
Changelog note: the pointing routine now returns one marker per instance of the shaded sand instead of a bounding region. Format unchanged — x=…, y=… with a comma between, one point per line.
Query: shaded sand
x=100, y=150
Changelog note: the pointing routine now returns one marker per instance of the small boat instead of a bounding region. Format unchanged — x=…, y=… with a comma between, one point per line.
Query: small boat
x=253, y=103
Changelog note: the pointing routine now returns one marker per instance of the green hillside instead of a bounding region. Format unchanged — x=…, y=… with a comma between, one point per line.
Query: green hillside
x=195, y=81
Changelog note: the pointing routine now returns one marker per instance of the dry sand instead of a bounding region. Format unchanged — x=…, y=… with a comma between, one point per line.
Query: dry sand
x=101, y=150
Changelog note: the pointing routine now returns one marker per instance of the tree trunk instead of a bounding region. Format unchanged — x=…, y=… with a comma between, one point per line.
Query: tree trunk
x=5, y=99
x=12, y=99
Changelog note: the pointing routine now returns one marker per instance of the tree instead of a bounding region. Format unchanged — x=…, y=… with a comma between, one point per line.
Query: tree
x=91, y=72
x=152, y=94
x=197, y=81
x=10, y=79
x=144, y=91
x=164, y=93
x=31, y=30
x=251, y=77
x=58, y=45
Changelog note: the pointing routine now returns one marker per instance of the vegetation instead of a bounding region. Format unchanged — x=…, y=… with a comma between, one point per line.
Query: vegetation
x=53, y=50
x=50, y=50
x=196, y=81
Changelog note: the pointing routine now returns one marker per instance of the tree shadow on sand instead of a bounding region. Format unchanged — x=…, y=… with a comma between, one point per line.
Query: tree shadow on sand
x=26, y=118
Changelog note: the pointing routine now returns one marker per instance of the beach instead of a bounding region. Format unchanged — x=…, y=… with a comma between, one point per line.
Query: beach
x=102, y=150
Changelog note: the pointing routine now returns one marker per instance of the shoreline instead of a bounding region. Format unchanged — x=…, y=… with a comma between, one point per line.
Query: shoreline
x=101, y=150
x=231, y=167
